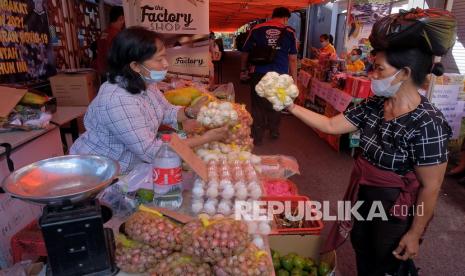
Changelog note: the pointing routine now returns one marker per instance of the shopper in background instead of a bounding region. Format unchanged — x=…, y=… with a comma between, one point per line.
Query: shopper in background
x=370, y=65
x=404, y=141
x=106, y=38
x=354, y=62
x=327, y=49
x=284, y=62
x=123, y=120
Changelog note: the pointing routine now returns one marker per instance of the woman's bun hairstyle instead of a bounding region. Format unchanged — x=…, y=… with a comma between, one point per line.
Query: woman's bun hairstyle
x=438, y=69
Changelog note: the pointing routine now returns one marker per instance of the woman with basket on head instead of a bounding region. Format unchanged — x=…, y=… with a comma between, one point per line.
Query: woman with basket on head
x=404, y=141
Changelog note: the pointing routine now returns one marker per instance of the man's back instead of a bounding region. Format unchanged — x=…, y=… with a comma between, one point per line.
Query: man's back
x=268, y=33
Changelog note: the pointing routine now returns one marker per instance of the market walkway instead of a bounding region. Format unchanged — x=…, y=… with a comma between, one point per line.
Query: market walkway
x=325, y=175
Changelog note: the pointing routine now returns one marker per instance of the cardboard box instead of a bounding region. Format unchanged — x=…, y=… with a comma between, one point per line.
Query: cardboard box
x=9, y=98
x=303, y=245
x=75, y=89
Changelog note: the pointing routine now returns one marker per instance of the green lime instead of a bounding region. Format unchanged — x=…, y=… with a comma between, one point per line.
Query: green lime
x=145, y=195
x=324, y=269
x=308, y=264
x=298, y=262
x=282, y=272
x=313, y=271
x=287, y=262
x=276, y=263
x=296, y=272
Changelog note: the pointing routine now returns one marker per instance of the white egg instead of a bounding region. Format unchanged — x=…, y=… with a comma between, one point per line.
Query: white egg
x=264, y=228
x=213, y=201
x=197, y=207
x=224, y=183
x=242, y=193
x=212, y=192
x=224, y=207
x=253, y=185
x=210, y=208
x=198, y=192
x=213, y=182
x=256, y=193
x=258, y=241
x=228, y=192
x=199, y=183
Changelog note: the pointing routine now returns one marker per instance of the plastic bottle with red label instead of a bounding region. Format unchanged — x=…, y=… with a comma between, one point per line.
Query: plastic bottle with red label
x=167, y=169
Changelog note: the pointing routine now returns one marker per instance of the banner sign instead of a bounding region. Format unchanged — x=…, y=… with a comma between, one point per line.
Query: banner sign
x=25, y=51
x=189, y=61
x=184, y=26
x=171, y=17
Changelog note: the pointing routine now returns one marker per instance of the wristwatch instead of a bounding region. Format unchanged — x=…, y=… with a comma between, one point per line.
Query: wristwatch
x=188, y=113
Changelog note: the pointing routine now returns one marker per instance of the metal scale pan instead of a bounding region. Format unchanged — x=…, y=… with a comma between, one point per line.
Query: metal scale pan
x=64, y=180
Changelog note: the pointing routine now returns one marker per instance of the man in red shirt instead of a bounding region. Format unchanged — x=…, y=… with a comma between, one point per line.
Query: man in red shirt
x=106, y=38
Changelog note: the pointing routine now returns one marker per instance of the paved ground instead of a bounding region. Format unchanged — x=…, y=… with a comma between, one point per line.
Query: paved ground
x=325, y=175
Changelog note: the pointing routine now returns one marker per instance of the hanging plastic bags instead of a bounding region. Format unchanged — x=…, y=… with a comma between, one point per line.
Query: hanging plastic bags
x=432, y=30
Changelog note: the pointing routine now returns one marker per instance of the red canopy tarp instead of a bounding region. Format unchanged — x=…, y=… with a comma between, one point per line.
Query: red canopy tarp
x=229, y=15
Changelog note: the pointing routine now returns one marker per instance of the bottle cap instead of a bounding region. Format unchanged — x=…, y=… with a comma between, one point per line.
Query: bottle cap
x=166, y=137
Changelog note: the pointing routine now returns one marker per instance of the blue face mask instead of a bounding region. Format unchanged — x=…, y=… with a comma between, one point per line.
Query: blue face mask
x=155, y=76
x=353, y=58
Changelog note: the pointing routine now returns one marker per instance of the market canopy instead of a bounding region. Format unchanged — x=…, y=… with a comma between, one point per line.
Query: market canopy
x=229, y=15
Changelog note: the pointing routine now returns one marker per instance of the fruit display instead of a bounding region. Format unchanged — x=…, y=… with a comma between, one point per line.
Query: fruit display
x=179, y=264
x=182, y=96
x=293, y=264
x=280, y=90
x=212, y=240
x=154, y=230
x=135, y=257
x=252, y=262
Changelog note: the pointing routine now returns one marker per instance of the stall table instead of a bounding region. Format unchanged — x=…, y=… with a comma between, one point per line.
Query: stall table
x=65, y=115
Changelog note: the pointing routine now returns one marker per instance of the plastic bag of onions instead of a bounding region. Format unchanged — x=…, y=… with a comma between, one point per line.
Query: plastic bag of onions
x=154, y=230
x=214, y=239
x=135, y=257
x=180, y=264
x=252, y=262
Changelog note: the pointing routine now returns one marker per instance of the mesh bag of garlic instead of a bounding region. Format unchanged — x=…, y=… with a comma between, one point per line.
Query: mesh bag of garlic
x=280, y=90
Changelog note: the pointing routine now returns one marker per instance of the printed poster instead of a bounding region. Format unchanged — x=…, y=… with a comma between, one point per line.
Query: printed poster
x=25, y=51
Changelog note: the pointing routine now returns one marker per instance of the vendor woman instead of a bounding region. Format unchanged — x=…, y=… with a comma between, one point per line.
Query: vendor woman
x=327, y=49
x=354, y=62
x=123, y=120
x=404, y=142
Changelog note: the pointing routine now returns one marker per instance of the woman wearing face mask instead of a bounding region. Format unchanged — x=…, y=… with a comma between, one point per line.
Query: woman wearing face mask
x=327, y=47
x=354, y=63
x=404, y=142
x=123, y=120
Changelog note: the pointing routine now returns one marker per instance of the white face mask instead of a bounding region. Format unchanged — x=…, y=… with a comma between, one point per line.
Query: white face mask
x=383, y=88
x=155, y=76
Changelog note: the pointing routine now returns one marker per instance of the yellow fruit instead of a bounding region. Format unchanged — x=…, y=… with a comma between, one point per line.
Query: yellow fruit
x=182, y=96
x=32, y=98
